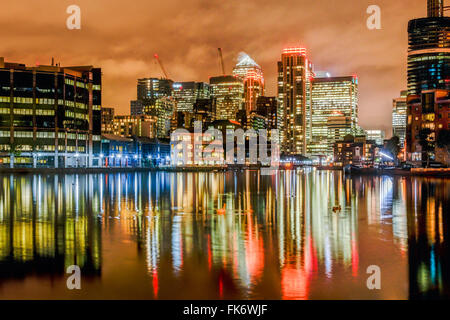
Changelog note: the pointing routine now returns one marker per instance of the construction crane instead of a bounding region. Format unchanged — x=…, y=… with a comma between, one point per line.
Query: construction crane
x=161, y=65
x=221, y=60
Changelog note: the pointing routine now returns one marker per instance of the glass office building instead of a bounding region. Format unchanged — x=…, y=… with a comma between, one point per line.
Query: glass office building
x=50, y=116
x=186, y=94
x=331, y=97
x=153, y=88
x=228, y=97
x=399, y=109
x=252, y=76
x=428, y=77
x=429, y=54
x=155, y=98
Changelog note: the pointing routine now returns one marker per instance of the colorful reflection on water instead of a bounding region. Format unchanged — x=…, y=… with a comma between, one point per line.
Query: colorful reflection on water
x=235, y=235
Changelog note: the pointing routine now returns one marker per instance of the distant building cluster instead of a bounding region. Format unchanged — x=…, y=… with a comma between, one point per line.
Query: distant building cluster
x=311, y=111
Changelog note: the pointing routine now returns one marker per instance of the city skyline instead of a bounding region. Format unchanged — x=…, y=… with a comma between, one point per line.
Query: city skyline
x=226, y=155
x=192, y=55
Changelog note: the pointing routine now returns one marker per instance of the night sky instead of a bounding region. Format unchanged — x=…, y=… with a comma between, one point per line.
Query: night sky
x=122, y=36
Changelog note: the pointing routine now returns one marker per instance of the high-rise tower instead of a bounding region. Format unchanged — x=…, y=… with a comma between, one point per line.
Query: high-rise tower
x=331, y=97
x=294, y=93
x=428, y=80
x=251, y=75
x=228, y=97
x=399, y=117
x=435, y=8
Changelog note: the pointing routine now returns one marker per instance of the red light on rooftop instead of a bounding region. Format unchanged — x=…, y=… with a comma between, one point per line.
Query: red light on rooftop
x=295, y=50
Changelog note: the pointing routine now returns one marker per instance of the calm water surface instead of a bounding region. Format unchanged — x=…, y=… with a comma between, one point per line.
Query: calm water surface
x=223, y=235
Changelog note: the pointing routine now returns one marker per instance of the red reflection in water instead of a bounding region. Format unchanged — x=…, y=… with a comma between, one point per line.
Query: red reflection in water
x=254, y=253
x=355, y=258
x=209, y=253
x=220, y=286
x=294, y=283
x=155, y=283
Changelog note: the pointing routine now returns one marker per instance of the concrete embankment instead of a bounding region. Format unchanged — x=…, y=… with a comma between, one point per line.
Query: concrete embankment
x=428, y=172
x=98, y=170
x=445, y=173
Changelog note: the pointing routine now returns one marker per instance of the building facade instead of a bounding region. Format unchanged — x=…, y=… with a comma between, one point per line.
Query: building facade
x=49, y=115
x=186, y=94
x=153, y=88
x=137, y=126
x=257, y=121
x=430, y=114
x=252, y=76
x=294, y=95
x=331, y=97
x=338, y=128
x=163, y=109
x=428, y=81
x=155, y=98
x=268, y=107
x=399, y=110
x=355, y=151
x=136, y=107
x=376, y=135
x=107, y=120
x=189, y=149
x=228, y=97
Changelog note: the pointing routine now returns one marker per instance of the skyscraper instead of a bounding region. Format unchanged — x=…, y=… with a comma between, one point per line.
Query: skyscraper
x=331, y=97
x=435, y=8
x=153, y=88
x=251, y=75
x=338, y=128
x=399, y=117
x=154, y=98
x=268, y=107
x=163, y=109
x=428, y=79
x=428, y=54
x=187, y=93
x=228, y=96
x=294, y=93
